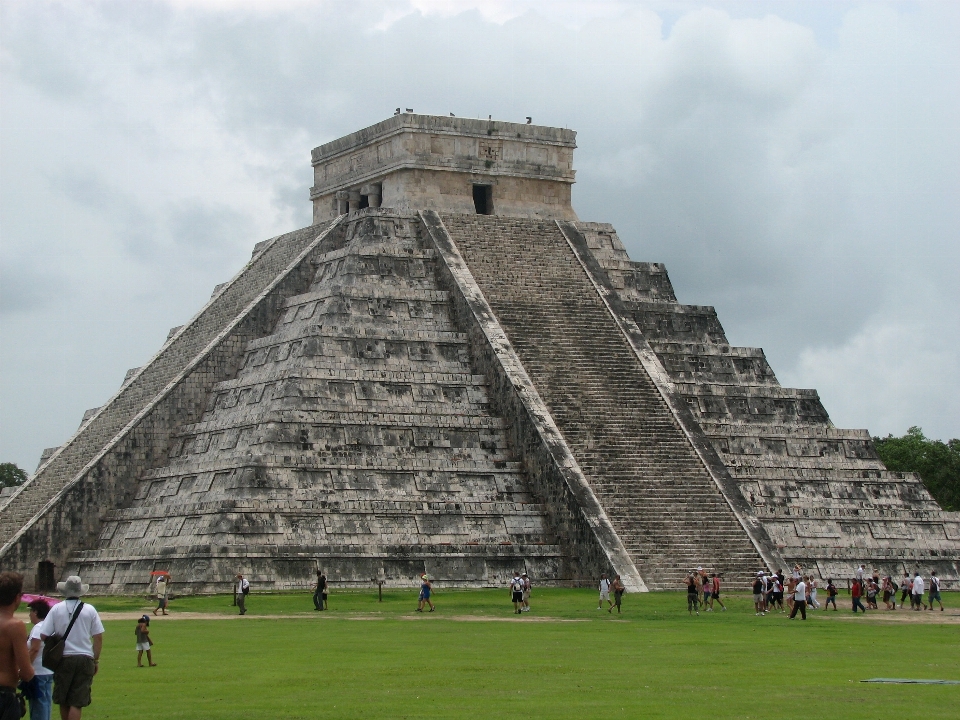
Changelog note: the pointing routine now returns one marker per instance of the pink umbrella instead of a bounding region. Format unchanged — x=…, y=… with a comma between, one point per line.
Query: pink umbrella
x=48, y=600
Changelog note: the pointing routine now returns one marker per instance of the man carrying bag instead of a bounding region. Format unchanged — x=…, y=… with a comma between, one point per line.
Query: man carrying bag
x=72, y=637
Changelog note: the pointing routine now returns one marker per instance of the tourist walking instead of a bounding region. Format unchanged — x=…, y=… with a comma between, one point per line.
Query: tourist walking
x=715, y=596
x=812, y=592
x=618, y=589
x=144, y=642
x=15, y=662
x=161, y=589
x=320, y=592
x=905, y=588
x=799, y=600
x=240, y=593
x=526, y=592
x=856, y=590
x=776, y=593
x=426, y=588
x=693, y=595
x=831, y=595
x=872, y=590
x=916, y=593
x=758, y=594
x=889, y=593
x=604, y=592
x=706, y=586
x=516, y=592
x=41, y=688
x=934, y=590
x=73, y=677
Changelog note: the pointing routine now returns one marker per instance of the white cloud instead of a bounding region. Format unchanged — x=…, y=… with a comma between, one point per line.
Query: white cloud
x=795, y=167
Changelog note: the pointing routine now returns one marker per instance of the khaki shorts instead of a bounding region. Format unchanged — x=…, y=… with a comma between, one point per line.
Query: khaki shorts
x=73, y=680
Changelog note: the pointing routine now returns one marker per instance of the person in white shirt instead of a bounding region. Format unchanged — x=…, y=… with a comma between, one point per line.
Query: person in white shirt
x=799, y=600
x=73, y=678
x=162, y=581
x=916, y=593
x=604, y=592
x=41, y=704
x=243, y=589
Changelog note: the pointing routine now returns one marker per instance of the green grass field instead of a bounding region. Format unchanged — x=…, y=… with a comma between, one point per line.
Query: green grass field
x=474, y=659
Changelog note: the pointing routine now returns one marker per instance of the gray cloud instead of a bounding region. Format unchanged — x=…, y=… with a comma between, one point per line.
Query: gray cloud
x=794, y=164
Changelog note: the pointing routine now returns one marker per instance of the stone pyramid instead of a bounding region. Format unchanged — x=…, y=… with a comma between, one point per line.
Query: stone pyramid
x=449, y=373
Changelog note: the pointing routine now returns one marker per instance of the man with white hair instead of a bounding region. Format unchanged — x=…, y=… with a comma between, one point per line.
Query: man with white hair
x=80, y=627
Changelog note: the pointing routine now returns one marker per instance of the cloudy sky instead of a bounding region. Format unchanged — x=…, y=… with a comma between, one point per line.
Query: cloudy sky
x=795, y=164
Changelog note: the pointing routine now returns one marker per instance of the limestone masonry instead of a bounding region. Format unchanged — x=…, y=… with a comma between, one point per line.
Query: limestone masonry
x=450, y=373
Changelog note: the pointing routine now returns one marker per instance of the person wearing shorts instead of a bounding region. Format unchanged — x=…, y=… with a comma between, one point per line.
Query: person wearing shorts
x=526, y=592
x=935, y=590
x=144, y=643
x=758, y=593
x=715, y=595
x=916, y=593
x=425, y=589
x=604, y=592
x=73, y=678
x=516, y=592
x=831, y=595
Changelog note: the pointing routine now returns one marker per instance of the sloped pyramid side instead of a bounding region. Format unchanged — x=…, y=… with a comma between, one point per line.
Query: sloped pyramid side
x=354, y=437
x=821, y=492
x=60, y=508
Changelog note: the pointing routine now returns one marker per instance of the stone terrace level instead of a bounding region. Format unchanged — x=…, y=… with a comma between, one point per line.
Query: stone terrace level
x=354, y=437
x=822, y=492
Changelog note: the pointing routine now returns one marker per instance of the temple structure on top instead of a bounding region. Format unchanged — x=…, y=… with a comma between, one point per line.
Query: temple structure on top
x=449, y=372
x=448, y=164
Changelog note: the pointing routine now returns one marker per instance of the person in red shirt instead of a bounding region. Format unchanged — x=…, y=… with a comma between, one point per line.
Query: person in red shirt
x=856, y=592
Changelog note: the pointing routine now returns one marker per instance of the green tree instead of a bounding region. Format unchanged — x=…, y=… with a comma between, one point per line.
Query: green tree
x=11, y=475
x=937, y=463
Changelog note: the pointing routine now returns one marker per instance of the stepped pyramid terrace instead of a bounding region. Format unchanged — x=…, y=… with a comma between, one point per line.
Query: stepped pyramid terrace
x=449, y=372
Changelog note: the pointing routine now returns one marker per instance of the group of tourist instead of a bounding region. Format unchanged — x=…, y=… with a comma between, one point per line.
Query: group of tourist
x=56, y=663
x=799, y=591
x=864, y=586
x=703, y=590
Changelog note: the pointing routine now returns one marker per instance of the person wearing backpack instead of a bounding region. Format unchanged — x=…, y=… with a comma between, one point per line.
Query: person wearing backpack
x=935, y=590
x=243, y=589
x=144, y=641
x=516, y=592
x=75, y=627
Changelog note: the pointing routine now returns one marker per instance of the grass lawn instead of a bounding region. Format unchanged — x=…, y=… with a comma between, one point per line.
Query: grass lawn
x=474, y=659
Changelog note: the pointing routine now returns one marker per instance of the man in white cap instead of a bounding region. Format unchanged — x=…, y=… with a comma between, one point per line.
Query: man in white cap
x=73, y=677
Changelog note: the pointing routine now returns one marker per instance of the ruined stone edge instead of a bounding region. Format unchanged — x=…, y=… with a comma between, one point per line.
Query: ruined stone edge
x=223, y=334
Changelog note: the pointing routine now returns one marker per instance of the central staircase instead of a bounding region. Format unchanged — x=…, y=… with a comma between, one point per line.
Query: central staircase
x=661, y=500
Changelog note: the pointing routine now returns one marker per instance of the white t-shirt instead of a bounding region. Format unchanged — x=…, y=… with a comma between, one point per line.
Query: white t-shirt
x=801, y=592
x=918, y=585
x=80, y=639
x=241, y=584
x=934, y=584
x=38, y=667
x=604, y=586
x=161, y=588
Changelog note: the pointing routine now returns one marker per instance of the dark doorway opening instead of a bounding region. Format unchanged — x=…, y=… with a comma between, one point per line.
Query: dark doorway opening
x=46, y=577
x=364, y=202
x=483, y=199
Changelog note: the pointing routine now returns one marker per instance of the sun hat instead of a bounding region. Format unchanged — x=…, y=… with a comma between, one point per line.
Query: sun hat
x=73, y=587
